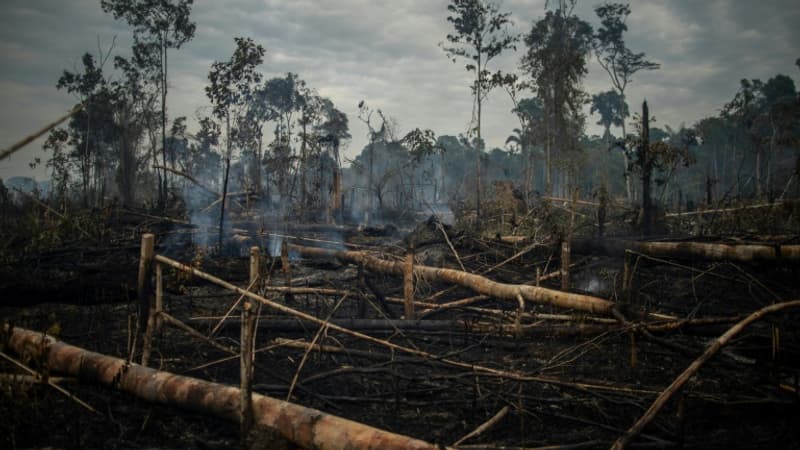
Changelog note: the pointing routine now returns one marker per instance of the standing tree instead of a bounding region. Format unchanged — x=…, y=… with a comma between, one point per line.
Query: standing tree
x=612, y=109
x=375, y=136
x=618, y=60
x=230, y=91
x=480, y=35
x=558, y=46
x=158, y=25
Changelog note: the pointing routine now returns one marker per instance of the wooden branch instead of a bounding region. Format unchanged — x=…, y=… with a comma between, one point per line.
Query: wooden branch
x=50, y=382
x=10, y=150
x=305, y=427
x=195, y=334
x=484, y=426
x=681, y=380
x=724, y=210
x=190, y=178
x=693, y=250
x=477, y=283
x=47, y=207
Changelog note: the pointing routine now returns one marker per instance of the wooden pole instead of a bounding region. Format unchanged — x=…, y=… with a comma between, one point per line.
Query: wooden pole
x=247, y=355
x=159, y=296
x=627, y=276
x=287, y=270
x=144, y=290
x=565, y=253
x=408, y=283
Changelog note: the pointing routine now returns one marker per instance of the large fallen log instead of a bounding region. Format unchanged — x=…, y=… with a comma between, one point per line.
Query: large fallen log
x=305, y=427
x=692, y=250
x=477, y=283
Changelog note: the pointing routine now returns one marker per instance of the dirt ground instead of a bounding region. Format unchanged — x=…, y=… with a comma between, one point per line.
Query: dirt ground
x=745, y=397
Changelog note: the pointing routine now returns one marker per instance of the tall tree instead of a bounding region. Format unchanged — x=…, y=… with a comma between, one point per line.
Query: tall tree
x=375, y=136
x=92, y=130
x=620, y=62
x=558, y=47
x=158, y=25
x=230, y=90
x=481, y=34
x=530, y=113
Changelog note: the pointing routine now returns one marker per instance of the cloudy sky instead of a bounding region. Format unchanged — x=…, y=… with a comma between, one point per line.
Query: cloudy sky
x=386, y=52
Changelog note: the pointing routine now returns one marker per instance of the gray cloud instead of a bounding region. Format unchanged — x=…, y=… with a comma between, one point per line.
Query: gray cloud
x=386, y=52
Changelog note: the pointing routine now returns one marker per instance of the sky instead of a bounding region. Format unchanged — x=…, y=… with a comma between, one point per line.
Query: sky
x=387, y=53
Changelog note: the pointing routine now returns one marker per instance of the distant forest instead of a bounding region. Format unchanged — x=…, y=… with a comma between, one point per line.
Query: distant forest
x=275, y=142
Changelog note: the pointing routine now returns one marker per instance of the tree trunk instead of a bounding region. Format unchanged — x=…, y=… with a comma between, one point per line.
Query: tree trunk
x=692, y=250
x=225, y=180
x=163, y=199
x=626, y=171
x=477, y=283
x=647, y=172
x=305, y=427
x=478, y=155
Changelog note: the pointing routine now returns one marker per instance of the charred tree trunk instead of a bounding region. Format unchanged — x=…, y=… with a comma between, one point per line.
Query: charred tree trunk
x=646, y=162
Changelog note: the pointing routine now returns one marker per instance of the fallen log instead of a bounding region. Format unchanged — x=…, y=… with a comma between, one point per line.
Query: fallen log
x=692, y=250
x=305, y=427
x=477, y=283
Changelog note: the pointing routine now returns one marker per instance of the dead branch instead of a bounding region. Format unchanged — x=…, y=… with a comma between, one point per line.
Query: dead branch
x=49, y=382
x=10, y=150
x=484, y=426
x=678, y=383
x=190, y=178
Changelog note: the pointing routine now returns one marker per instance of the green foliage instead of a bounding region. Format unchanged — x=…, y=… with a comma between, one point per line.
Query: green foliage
x=612, y=108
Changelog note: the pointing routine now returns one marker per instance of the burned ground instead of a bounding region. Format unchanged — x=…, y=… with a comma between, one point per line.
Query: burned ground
x=589, y=378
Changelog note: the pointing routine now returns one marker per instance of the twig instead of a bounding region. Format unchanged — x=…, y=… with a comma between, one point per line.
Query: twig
x=450, y=244
x=7, y=152
x=482, y=428
x=228, y=313
x=308, y=350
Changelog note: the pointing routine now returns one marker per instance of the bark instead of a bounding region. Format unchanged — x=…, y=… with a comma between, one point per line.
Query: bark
x=305, y=427
x=477, y=283
x=693, y=250
x=647, y=172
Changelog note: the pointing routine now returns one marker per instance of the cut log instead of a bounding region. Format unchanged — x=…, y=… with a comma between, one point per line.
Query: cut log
x=692, y=250
x=305, y=427
x=477, y=283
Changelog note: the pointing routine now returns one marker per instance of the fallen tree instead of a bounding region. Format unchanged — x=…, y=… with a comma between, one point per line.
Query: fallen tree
x=477, y=283
x=691, y=250
x=305, y=427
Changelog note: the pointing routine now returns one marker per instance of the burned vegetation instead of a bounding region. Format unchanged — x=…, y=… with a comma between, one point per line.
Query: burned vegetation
x=224, y=287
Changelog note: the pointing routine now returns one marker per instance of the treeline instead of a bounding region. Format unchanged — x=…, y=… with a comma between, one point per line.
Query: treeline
x=277, y=142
